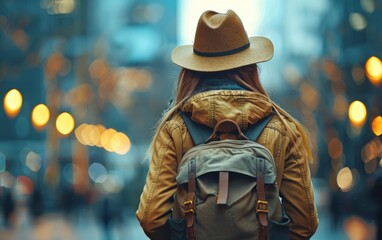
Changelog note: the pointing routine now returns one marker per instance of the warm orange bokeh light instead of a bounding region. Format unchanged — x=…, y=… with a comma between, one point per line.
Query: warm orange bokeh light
x=357, y=113
x=309, y=96
x=335, y=148
x=24, y=185
x=65, y=123
x=106, y=137
x=339, y=107
x=376, y=125
x=13, y=101
x=40, y=116
x=373, y=69
x=120, y=143
x=98, y=135
x=78, y=133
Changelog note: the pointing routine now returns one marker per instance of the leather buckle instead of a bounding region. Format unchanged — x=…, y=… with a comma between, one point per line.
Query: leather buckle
x=189, y=211
x=189, y=207
x=262, y=206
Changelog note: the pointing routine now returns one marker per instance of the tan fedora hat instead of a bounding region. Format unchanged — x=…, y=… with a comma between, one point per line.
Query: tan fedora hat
x=221, y=43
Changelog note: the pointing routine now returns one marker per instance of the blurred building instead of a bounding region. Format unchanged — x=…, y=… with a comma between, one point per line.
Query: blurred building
x=332, y=64
x=101, y=67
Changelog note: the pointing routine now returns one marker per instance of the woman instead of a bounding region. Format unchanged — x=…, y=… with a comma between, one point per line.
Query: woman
x=219, y=80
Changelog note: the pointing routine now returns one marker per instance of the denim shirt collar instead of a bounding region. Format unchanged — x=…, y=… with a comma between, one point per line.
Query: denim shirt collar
x=218, y=84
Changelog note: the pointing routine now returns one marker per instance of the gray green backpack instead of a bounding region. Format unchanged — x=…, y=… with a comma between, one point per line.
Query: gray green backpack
x=227, y=186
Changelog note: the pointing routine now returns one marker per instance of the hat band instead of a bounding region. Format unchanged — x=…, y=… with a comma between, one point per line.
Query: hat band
x=219, y=54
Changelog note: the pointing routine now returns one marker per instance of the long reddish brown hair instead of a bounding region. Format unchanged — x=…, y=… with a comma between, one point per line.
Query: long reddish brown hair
x=246, y=76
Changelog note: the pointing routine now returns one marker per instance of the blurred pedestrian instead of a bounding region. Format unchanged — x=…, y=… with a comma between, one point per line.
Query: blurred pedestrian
x=36, y=203
x=336, y=211
x=106, y=217
x=9, y=207
x=219, y=80
x=109, y=211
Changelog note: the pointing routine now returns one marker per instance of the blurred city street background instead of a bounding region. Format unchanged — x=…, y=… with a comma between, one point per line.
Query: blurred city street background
x=83, y=83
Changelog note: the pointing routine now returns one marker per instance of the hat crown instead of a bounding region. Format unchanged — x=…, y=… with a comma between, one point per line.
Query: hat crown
x=218, y=33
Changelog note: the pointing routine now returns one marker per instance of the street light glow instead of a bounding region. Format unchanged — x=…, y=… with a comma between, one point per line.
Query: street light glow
x=65, y=123
x=120, y=143
x=13, y=101
x=357, y=113
x=40, y=116
x=106, y=137
x=376, y=125
x=373, y=69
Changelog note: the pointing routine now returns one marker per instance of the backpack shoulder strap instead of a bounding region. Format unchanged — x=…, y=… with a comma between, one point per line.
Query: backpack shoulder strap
x=253, y=132
x=198, y=132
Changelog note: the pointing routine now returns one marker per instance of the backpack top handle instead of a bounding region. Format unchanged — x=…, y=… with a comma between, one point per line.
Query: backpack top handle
x=226, y=129
x=201, y=133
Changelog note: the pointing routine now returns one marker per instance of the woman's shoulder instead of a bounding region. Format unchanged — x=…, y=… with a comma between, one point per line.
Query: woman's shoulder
x=280, y=123
x=174, y=122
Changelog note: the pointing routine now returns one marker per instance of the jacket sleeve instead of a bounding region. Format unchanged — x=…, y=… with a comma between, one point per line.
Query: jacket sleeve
x=157, y=197
x=296, y=191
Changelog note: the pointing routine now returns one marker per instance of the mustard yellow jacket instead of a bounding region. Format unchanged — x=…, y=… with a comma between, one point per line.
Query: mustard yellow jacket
x=244, y=107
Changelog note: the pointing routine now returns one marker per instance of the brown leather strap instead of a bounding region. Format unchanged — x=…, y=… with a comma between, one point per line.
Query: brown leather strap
x=262, y=204
x=223, y=188
x=226, y=127
x=190, y=202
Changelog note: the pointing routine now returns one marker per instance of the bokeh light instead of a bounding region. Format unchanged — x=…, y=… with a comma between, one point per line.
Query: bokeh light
x=357, y=113
x=345, y=179
x=6, y=179
x=358, y=74
x=98, y=69
x=94, y=135
x=13, y=101
x=100, y=129
x=24, y=185
x=98, y=135
x=339, y=107
x=120, y=143
x=368, y=5
x=97, y=172
x=65, y=123
x=112, y=184
x=33, y=161
x=356, y=228
x=40, y=116
x=309, y=96
x=357, y=21
x=376, y=125
x=373, y=69
x=370, y=166
x=335, y=148
x=59, y=6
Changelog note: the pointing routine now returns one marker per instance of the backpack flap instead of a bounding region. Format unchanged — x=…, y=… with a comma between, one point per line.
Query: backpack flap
x=231, y=156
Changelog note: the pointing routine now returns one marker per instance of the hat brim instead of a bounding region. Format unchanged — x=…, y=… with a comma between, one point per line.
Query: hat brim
x=260, y=50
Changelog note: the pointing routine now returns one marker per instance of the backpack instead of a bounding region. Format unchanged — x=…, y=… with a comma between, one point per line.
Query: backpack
x=227, y=186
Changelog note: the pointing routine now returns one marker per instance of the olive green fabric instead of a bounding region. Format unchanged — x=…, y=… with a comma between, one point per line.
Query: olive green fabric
x=228, y=155
x=237, y=219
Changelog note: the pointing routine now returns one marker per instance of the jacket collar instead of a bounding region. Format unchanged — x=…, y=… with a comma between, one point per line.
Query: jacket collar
x=242, y=106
